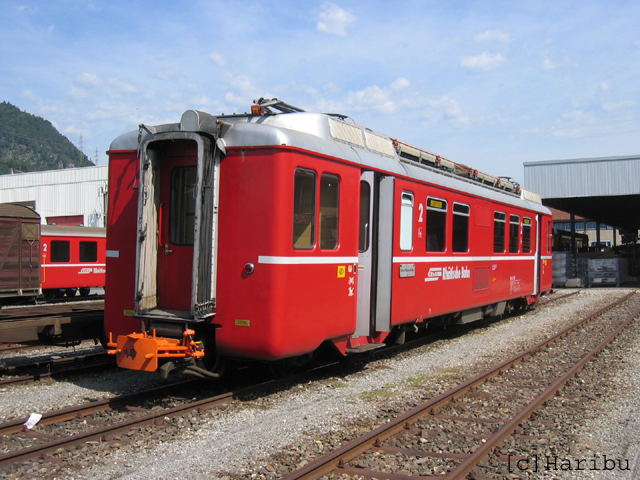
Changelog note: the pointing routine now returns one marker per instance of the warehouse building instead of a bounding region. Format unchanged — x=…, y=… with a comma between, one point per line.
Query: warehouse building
x=73, y=196
x=601, y=198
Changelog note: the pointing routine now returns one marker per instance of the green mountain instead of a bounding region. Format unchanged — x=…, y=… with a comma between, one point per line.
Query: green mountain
x=29, y=143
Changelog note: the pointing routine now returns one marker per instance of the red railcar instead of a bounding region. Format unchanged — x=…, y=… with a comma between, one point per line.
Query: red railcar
x=265, y=236
x=73, y=260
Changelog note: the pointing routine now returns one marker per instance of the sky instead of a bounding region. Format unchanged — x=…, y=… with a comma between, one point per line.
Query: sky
x=487, y=83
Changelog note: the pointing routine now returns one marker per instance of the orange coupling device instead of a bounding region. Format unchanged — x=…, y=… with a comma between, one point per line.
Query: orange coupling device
x=139, y=351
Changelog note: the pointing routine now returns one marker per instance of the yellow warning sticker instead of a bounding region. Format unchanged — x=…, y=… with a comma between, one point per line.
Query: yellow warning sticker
x=342, y=271
x=242, y=322
x=129, y=313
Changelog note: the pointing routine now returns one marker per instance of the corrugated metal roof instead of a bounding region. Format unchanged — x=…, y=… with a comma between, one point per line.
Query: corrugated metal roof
x=584, y=177
x=72, y=191
x=53, y=177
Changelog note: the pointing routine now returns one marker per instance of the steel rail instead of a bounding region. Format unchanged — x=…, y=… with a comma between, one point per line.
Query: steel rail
x=56, y=367
x=339, y=457
x=107, y=432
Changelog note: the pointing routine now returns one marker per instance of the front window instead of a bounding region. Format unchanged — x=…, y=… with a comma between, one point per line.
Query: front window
x=329, y=201
x=526, y=235
x=406, y=222
x=514, y=239
x=304, y=209
x=499, y=231
x=60, y=251
x=436, y=224
x=88, y=251
x=460, y=227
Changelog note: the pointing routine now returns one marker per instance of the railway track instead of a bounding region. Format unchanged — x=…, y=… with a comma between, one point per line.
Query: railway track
x=65, y=323
x=31, y=372
x=109, y=420
x=465, y=432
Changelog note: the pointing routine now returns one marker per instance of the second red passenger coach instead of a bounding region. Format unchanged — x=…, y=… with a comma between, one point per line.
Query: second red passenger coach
x=265, y=236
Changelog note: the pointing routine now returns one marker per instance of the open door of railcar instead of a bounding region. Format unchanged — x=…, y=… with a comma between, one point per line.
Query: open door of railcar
x=177, y=226
x=375, y=259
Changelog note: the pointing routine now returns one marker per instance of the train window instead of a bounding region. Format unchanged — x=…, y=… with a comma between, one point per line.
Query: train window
x=406, y=222
x=526, y=235
x=60, y=251
x=436, y=224
x=304, y=209
x=514, y=233
x=499, y=231
x=329, y=201
x=182, y=212
x=460, y=237
x=88, y=251
x=365, y=214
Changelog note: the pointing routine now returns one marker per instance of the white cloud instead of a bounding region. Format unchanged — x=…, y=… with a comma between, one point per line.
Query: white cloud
x=78, y=93
x=333, y=19
x=484, y=61
x=604, y=86
x=168, y=73
x=374, y=97
x=614, y=106
x=88, y=80
x=449, y=108
x=497, y=35
x=218, y=59
x=121, y=86
x=547, y=64
x=400, y=84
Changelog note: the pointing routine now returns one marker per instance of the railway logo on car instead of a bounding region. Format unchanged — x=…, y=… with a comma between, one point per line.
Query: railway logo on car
x=88, y=270
x=447, y=273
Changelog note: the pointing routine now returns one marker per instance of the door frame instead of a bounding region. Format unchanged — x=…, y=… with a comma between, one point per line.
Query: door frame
x=203, y=274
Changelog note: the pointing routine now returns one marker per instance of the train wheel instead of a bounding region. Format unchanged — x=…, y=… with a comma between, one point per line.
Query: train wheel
x=84, y=291
x=58, y=293
x=48, y=295
x=70, y=292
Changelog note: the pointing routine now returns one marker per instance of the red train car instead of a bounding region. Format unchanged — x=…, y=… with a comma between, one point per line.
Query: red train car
x=266, y=236
x=72, y=260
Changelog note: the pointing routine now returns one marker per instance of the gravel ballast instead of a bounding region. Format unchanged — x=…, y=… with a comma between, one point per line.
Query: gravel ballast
x=246, y=439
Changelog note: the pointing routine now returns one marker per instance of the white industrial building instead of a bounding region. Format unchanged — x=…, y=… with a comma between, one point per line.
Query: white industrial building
x=73, y=196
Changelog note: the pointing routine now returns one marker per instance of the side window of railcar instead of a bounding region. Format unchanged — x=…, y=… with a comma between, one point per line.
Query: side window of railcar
x=365, y=213
x=514, y=232
x=460, y=238
x=60, y=251
x=304, y=208
x=329, y=201
x=406, y=222
x=88, y=251
x=526, y=235
x=183, y=206
x=499, y=231
x=436, y=224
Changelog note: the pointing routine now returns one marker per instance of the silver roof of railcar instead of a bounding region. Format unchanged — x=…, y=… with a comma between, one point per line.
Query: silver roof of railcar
x=328, y=135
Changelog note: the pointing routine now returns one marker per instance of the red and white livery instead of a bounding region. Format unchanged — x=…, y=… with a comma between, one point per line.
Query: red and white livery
x=73, y=260
x=266, y=236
